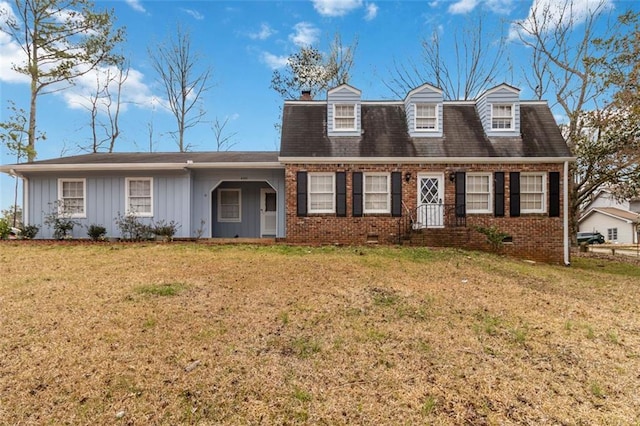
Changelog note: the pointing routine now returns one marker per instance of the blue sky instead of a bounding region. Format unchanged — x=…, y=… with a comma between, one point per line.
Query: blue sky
x=243, y=42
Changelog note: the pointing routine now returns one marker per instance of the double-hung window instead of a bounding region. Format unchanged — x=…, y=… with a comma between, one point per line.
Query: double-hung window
x=229, y=205
x=532, y=193
x=426, y=117
x=139, y=200
x=377, y=196
x=322, y=197
x=478, y=193
x=344, y=117
x=612, y=234
x=502, y=117
x=71, y=197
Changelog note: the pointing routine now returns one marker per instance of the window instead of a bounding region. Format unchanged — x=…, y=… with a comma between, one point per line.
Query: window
x=71, y=196
x=139, y=196
x=612, y=234
x=502, y=117
x=229, y=205
x=426, y=117
x=376, y=193
x=344, y=117
x=321, y=193
x=532, y=193
x=478, y=193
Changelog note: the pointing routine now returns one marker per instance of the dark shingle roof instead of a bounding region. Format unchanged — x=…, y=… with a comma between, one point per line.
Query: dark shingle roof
x=166, y=158
x=385, y=134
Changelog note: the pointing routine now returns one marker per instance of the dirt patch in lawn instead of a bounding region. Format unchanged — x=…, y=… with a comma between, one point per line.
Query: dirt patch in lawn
x=200, y=334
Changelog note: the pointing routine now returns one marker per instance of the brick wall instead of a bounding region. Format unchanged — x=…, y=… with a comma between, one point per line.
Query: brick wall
x=535, y=236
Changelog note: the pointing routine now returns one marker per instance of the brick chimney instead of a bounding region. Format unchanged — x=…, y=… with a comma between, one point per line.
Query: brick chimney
x=306, y=95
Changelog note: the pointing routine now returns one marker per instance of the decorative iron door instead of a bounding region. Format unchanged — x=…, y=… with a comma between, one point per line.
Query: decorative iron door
x=430, y=201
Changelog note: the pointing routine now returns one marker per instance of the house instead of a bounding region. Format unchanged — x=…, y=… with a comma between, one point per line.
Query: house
x=618, y=220
x=420, y=170
x=361, y=171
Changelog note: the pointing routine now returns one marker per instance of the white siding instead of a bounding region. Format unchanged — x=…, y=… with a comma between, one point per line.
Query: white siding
x=600, y=222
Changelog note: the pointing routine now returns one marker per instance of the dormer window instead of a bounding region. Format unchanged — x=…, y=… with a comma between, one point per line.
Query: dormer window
x=502, y=117
x=344, y=117
x=426, y=117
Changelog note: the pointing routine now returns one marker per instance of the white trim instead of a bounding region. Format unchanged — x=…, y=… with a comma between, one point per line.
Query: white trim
x=127, y=203
x=421, y=88
x=263, y=192
x=425, y=160
x=489, y=209
x=335, y=116
x=333, y=193
x=565, y=219
x=498, y=87
x=233, y=219
x=436, y=110
x=138, y=166
x=61, y=181
x=364, y=193
x=344, y=86
x=544, y=193
x=503, y=117
x=25, y=201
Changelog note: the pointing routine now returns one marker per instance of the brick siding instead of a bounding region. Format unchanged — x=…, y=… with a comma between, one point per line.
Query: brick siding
x=535, y=236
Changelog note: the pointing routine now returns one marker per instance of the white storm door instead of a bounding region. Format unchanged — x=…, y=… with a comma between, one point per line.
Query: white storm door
x=268, y=213
x=430, y=201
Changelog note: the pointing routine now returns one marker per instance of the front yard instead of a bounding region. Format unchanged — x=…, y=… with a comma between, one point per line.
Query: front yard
x=189, y=333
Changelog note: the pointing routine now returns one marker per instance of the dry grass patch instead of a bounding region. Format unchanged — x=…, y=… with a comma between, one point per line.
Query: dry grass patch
x=197, y=334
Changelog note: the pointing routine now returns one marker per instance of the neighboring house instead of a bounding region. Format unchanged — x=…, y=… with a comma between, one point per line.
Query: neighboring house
x=617, y=220
x=415, y=171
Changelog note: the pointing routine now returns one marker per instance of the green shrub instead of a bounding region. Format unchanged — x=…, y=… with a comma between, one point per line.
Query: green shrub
x=29, y=232
x=132, y=229
x=165, y=229
x=60, y=220
x=4, y=229
x=96, y=232
x=495, y=237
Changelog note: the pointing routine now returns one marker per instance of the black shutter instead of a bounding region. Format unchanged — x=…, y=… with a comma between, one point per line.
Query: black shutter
x=554, y=194
x=396, y=194
x=498, y=194
x=461, y=207
x=341, y=194
x=514, y=194
x=356, y=187
x=301, y=178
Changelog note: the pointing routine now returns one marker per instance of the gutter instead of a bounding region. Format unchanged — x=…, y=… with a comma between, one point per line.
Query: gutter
x=565, y=224
x=426, y=160
x=17, y=169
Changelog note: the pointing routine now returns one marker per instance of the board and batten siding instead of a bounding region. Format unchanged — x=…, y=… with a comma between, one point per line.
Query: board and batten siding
x=343, y=95
x=428, y=95
x=105, y=199
x=499, y=95
x=205, y=184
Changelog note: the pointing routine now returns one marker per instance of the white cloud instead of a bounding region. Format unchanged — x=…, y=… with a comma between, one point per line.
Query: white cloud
x=555, y=14
x=273, y=61
x=334, y=8
x=463, y=6
x=194, y=14
x=502, y=7
x=136, y=5
x=305, y=34
x=372, y=12
x=11, y=53
x=265, y=32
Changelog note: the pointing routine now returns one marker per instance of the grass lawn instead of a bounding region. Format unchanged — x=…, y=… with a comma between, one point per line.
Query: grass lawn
x=188, y=333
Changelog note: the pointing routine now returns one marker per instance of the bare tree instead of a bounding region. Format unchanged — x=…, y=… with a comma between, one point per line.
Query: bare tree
x=569, y=64
x=176, y=65
x=61, y=40
x=479, y=60
x=224, y=142
x=106, y=101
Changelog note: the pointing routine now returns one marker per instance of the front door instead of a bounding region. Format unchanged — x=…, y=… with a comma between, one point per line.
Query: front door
x=430, y=201
x=268, y=213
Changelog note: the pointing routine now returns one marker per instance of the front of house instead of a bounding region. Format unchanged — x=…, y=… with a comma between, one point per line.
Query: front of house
x=427, y=171
x=415, y=171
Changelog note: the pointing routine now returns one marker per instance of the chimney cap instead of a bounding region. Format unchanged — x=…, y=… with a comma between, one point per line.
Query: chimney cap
x=306, y=95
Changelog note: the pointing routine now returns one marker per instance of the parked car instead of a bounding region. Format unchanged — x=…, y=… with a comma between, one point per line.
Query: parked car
x=590, y=238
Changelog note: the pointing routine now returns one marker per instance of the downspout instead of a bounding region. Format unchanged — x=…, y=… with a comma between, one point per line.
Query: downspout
x=567, y=260
x=25, y=185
